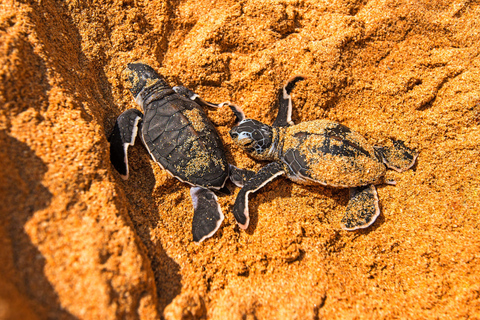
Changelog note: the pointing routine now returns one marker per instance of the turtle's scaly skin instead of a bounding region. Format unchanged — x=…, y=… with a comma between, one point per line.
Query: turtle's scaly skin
x=179, y=136
x=328, y=153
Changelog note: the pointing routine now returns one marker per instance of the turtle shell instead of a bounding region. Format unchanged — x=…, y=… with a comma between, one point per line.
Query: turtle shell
x=183, y=141
x=329, y=153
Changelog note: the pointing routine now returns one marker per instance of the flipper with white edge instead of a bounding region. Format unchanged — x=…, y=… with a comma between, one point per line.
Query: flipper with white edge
x=284, y=116
x=264, y=176
x=187, y=93
x=398, y=157
x=239, y=176
x=123, y=135
x=207, y=214
x=362, y=209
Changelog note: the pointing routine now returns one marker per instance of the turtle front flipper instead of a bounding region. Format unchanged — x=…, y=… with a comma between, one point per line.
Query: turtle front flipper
x=123, y=135
x=263, y=176
x=187, y=93
x=207, y=214
x=362, y=209
x=284, y=116
x=398, y=157
x=240, y=176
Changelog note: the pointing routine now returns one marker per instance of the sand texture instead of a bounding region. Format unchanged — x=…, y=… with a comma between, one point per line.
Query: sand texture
x=78, y=242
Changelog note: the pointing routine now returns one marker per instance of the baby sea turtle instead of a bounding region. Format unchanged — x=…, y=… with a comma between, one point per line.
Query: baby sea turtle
x=180, y=138
x=319, y=151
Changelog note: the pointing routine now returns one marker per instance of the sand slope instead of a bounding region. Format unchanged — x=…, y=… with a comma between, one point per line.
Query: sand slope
x=78, y=242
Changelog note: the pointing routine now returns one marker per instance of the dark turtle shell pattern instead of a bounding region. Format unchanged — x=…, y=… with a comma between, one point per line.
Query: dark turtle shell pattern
x=329, y=153
x=183, y=141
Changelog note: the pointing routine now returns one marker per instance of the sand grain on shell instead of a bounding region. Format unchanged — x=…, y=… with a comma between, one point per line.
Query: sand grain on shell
x=195, y=118
x=333, y=170
x=78, y=242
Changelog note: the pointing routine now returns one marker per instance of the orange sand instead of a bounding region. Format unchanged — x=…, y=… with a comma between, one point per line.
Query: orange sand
x=78, y=242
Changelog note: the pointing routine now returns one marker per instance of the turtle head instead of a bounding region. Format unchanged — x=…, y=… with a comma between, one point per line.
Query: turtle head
x=140, y=76
x=254, y=137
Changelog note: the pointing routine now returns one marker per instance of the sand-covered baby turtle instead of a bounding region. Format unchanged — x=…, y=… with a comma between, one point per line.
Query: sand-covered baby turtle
x=317, y=152
x=180, y=138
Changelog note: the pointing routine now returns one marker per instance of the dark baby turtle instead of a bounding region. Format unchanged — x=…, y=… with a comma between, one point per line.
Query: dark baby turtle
x=317, y=152
x=178, y=135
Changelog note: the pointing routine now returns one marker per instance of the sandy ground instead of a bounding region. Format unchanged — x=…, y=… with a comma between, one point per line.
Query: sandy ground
x=78, y=242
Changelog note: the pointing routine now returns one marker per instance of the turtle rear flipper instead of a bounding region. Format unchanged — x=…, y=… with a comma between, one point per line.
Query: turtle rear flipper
x=240, y=176
x=398, y=157
x=264, y=176
x=362, y=209
x=123, y=135
x=207, y=214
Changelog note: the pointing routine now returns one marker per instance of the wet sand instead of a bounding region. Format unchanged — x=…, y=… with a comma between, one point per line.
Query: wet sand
x=78, y=242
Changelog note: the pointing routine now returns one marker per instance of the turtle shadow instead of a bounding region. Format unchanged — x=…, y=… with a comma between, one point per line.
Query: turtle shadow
x=22, y=194
x=141, y=193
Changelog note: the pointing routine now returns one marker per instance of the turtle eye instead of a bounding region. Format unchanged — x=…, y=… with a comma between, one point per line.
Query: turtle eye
x=234, y=135
x=257, y=135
